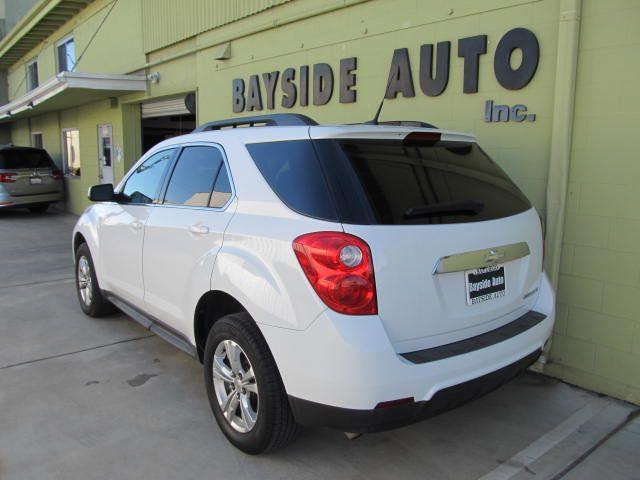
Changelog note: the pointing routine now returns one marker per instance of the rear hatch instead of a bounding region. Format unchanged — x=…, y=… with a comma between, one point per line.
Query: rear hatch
x=456, y=246
x=31, y=172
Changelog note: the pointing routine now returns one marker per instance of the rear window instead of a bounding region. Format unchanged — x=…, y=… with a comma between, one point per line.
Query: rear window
x=16, y=159
x=388, y=182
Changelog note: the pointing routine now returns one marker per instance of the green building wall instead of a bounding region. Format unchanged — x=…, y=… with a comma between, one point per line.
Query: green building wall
x=596, y=343
x=597, y=336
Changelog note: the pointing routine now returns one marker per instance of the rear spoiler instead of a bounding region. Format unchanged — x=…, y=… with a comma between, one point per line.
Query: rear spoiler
x=390, y=132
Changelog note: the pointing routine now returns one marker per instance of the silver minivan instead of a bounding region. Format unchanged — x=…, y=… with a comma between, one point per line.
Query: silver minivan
x=28, y=178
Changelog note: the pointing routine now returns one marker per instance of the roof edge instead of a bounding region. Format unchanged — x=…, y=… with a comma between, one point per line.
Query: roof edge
x=26, y=23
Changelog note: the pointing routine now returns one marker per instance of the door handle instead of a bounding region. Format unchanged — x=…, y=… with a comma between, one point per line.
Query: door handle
x=198, y=229
x=136, y=224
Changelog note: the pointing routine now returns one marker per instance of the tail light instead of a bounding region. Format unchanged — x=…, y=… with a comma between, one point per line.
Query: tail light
x=56, y=175
x=424, y=139
x=340, y=269
x=8, y=177
x=543, y=235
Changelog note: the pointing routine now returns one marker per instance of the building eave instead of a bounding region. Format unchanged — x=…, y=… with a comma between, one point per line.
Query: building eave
x=69, y=89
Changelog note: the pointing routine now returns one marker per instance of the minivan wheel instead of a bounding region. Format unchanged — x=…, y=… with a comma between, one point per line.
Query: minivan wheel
x=90, y=296
x=244, y=387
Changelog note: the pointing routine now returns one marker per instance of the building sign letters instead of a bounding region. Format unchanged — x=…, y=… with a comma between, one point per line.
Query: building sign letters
x=317, y=84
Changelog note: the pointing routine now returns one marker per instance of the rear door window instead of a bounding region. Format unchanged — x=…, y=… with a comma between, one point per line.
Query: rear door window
x=221, y=190
x=390, y=182
x=24, y=159
x=194, y=176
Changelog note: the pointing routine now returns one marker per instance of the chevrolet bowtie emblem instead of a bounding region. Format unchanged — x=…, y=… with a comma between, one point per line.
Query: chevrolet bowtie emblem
x=493, y=256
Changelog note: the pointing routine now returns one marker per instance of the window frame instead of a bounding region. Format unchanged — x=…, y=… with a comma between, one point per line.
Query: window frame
x=60, y=43
x=160, y=195
x=33, y=61
x=33, y=135
x=65, y=165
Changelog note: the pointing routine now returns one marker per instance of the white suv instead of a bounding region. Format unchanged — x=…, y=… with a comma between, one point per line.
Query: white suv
x=359, y=277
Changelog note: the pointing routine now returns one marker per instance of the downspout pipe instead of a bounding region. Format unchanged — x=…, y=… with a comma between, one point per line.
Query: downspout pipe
x=562, y=133
x=561, y=143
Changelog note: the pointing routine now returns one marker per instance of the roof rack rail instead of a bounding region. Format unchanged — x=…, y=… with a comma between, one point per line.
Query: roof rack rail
x=275, y=120
x=407, y=123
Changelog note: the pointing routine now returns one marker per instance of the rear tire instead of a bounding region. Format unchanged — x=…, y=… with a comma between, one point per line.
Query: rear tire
x=90, y=296
x=271, y=424
x=38, y=208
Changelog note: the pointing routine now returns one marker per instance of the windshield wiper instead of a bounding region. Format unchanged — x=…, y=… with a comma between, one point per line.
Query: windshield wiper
x=462, y=207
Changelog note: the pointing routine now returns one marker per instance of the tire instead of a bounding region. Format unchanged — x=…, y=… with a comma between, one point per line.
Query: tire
x=274, y=425
x=38, y=208
x=96, y=305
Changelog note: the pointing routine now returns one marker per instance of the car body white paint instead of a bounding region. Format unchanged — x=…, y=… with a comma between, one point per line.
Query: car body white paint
x=326, y=357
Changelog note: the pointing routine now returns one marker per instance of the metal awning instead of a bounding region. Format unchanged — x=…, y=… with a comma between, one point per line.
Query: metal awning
x=40, y=22
x=70, y=89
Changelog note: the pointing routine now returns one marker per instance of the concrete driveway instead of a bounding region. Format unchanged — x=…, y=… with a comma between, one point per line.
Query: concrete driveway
x=105, y=399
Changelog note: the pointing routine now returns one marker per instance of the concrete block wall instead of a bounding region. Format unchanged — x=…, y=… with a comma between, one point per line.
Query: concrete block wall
x=597, y=337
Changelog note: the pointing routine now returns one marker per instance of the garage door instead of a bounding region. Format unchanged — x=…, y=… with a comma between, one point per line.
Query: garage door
x=165, y=107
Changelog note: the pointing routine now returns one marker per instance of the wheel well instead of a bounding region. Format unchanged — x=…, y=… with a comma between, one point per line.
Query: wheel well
x=77, y=241
x=211, y=307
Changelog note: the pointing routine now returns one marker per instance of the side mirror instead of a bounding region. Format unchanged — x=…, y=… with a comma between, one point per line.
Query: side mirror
x=102, y=193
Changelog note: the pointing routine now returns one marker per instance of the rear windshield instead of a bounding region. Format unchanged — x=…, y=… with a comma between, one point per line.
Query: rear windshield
x=388, y=182
x=15, y=159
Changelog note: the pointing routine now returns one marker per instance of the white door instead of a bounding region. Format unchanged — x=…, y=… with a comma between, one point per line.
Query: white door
x=184, y=234
x=105, y=153
x=122, y=228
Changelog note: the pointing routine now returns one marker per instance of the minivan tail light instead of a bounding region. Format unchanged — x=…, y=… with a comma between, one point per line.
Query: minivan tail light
x=56, y=175
x=8, y=177
x=340, y=269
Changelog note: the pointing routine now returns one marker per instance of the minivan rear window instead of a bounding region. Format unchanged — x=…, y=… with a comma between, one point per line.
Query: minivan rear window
x=16, y=159
x=389, y=182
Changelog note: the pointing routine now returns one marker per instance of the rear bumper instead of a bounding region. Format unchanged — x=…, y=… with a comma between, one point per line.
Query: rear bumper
x=7, y=200
x=348, y=365
x=313, y=414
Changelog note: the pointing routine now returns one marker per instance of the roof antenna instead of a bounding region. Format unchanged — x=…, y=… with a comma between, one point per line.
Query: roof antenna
x=375, y=119
x=377, y=116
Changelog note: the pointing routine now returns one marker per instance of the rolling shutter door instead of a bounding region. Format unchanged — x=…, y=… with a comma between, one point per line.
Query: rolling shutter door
x=164, y=108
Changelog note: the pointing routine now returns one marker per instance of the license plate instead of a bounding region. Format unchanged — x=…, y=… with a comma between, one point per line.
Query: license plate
x=35, y=180
x=485, y=284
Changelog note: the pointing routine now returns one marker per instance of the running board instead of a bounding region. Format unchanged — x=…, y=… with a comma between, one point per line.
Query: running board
x=153, y=325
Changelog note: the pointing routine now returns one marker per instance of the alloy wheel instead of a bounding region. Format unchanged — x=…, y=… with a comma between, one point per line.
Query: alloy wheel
x=85, y=284
x=235, y=386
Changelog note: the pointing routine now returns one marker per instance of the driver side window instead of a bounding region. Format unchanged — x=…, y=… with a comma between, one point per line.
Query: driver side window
x=143, y=186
